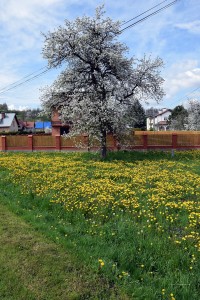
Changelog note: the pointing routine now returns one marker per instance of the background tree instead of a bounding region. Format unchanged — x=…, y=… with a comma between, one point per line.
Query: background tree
x=99, y=81
x=193, y=115
x=151, y=112
x=35, y=114
x=135, y=116
x=3, y=107
x=178, y=118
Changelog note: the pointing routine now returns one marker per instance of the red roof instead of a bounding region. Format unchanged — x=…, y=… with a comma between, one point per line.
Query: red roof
x=28, y=124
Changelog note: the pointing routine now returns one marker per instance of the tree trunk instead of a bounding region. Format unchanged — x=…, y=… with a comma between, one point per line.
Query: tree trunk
x=103, y=144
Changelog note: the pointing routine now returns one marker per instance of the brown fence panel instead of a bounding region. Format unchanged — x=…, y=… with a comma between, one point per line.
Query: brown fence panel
x=95, y=143
x=159, y=140
x=138, y=140
x=16, y=141
x=76, y=142
x=130, y=140
x=188, y=139
x=0, y=143
x=44, y=141
x=110, y=141
x=165, y=132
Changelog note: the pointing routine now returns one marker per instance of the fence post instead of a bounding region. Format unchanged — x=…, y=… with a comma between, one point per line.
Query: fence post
x=30, y=142
x=174, y=141
x=145, y=141
x=3, y=143
x=116, y=143
x=58, y=142
x=86, y=141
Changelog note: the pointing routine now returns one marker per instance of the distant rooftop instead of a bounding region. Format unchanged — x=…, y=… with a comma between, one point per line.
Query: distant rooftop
x=6, y=119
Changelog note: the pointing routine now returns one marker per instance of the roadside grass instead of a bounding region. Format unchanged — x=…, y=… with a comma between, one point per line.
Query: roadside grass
x=33, y=267
x=134, y=221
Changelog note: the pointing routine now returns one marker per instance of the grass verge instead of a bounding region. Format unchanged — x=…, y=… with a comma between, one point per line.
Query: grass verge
x=33, y=267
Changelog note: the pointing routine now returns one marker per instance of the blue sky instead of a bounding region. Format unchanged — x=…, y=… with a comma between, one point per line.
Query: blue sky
x=173, y=35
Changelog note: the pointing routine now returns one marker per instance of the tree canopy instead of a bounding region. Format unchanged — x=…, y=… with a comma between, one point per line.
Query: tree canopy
x=99, y=81
x=3, y=107
x=178, y=118
x=135, y=116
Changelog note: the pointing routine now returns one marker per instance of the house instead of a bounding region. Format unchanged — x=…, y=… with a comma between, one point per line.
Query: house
x=29, y=126
x=21, y=125
x=58, y=127
x=8, y=122
x=159, y=122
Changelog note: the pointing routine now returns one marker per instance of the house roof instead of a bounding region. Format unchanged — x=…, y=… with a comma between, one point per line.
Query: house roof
x=160, y=114
x=28, y=124
x=8, y=119
x=163, y=112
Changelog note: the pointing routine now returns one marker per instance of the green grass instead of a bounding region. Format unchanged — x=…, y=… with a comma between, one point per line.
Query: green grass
x=33, y=267
x=49, y=253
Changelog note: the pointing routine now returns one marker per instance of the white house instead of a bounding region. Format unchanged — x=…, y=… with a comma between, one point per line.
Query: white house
x=159, y=122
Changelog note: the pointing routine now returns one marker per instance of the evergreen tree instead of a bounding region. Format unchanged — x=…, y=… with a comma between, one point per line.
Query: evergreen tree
x=135, y=116
x=178, y=118
x=3, y=107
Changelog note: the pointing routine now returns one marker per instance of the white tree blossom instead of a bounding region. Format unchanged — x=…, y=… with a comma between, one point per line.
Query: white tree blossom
x=193, y=115
x=99, y=81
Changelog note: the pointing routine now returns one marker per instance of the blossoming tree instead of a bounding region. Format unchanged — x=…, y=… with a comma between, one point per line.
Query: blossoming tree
x=99, y=81
x=193, y=121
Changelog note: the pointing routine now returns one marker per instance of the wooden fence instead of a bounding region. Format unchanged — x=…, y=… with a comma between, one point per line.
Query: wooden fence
x=135, y=141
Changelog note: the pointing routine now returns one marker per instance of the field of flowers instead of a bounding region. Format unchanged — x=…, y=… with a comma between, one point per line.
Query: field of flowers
x=138, y=220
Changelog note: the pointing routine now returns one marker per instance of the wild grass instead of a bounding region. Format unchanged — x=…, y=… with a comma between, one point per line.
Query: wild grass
x=133, y=219
x=33, y=267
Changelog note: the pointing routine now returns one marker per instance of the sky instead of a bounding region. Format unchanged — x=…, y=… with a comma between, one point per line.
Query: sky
x=173, y=35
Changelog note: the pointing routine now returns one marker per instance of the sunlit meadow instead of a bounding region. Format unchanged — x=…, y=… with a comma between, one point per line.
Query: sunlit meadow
x=135, y=221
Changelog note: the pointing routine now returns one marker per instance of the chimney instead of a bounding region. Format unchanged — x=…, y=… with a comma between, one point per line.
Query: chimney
x=2, y=115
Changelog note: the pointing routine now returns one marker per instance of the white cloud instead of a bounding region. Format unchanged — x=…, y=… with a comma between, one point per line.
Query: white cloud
x=182, y=76
x=21, y=24
x=192, y=27
x=14, y=107
x=23, y=21
x=6, y=78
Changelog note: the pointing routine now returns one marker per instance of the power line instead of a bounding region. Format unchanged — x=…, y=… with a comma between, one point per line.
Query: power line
x=17, y=83
x=23, y=82
x=144, y=12
x=187, y=94
x=21, y=79
x=176, y=102
x=6, y=88
x=150, y=15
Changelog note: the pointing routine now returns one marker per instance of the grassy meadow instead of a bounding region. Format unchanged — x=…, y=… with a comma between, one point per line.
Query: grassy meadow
x=131, y=222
